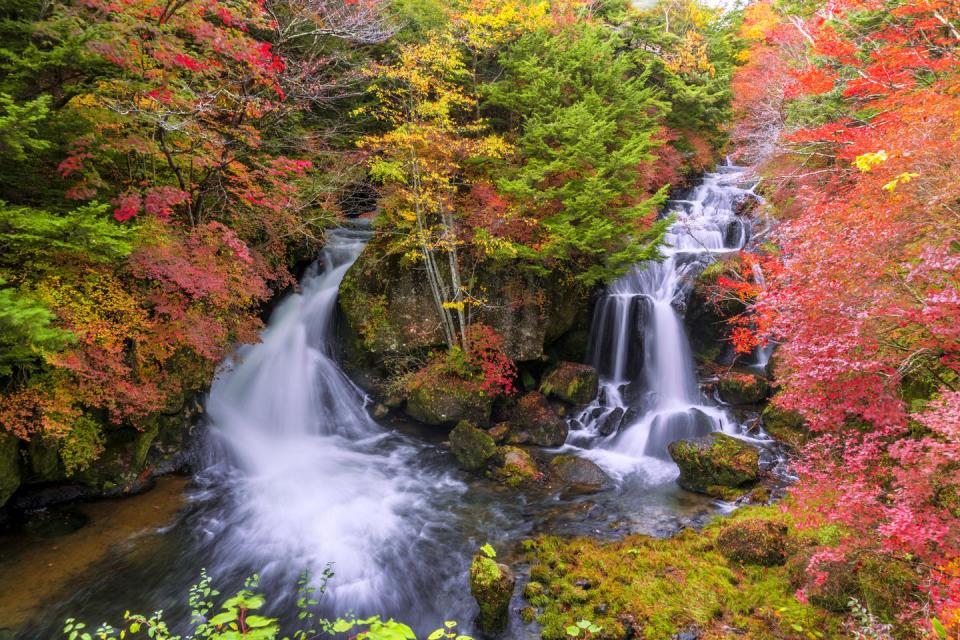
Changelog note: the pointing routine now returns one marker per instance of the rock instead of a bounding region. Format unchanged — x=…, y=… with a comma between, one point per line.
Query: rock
x=445, y=402
x=610, y=422
x=380, y=411
x=742, y=388
x=9, y=466
x=388, y=309
x=834, y=584
x=716, y=460
x=572, y=383
x=785, y=426
x=515, y=468
x=471, y=446
x=491, y=584
x=499, y=432
x=754, y=541
x=579, y=475
x=534, y=422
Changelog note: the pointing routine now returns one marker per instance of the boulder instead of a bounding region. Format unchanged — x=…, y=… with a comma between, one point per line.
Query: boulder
x=472, y=447
x=533, y=421
x=785, y=426
x=715, y=461
x=9, y=466
x=830, y=586
x=754, y=541
x=571, y=382
x=447, y=402
x=388, y=309
x=578, y=475
x=515, y=467
x=491, y=584
x=742, y=388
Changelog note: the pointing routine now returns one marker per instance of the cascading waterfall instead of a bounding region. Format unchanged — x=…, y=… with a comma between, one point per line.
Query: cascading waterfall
x=649, y=394
x=310, y=478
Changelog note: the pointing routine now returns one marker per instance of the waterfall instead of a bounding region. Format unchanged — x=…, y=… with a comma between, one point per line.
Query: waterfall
x=307, y=476
x=649, y=395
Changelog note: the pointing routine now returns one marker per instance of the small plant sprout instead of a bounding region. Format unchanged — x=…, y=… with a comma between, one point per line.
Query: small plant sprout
x=583, y=629
x=489, y=551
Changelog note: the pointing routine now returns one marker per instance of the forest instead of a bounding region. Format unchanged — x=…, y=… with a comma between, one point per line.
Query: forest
x=387, y=319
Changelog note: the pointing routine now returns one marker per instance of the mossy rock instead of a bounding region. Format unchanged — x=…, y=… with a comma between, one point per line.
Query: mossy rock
x=9, y=466
x=754, y=541
x=572, y=383
x=886, y=582
x=785, y=425
x=743, y=388
x=515, y=468
x=491, y=584
x=447, y=402
x=836, y=581
x=716, y=460
x=533, y=421
x=123, y=459
x=578, y=475
x=472, y=447
x=643, y=587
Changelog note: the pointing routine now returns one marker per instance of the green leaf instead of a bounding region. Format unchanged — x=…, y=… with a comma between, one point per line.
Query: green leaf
x=573, y=630
x=223, y=618
x=583, y=624
x=488, y=551
x=938, y=628
x=436, y=635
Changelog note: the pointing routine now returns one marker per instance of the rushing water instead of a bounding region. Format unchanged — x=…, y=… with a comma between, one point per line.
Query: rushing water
x=297, y=474
x=649, y=394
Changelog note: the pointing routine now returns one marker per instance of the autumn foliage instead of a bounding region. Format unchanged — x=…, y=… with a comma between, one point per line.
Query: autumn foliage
x=862, y=157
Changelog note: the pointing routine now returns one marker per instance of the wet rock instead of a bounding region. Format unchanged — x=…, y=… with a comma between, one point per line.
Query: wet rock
x=571, y=382
x=716, y=460
x=515, y=467
x=786, y=426
x=471, y=446
x=499, y=432
x=9, y=466
x=754, y=541
x=578, y=475
x=491, y=584
x=533, y=421
x=54, y=523
x=380, y=411
x=742, y=388
x=611, y=422
x=446, y=402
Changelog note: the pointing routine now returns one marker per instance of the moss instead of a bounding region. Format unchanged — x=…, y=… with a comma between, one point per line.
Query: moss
x=492, y=587
x=471, y=446
x=784, y=425
x=754, y=541
x=654, y=588
x=715, y=462
x=534, y=422
x=743, y=388
x=885, y=583
x=515, y=468
x=571, y=382
x=447, y=401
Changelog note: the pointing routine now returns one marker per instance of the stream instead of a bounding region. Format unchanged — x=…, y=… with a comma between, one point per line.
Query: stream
x=296, y=474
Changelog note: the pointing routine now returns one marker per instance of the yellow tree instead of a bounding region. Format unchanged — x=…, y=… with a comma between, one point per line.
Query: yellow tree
x=421, y=163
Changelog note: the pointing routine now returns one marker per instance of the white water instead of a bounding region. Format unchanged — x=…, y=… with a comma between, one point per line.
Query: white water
x=647, y=402
x=311, y=477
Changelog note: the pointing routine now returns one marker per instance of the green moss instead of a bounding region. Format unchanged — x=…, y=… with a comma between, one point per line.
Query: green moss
x=471, y=446
x=715, y=463
x=743, y=388
x=492, y=587
x=786, y=426
x=653, y=588
x=515, y=468
x=571, y=382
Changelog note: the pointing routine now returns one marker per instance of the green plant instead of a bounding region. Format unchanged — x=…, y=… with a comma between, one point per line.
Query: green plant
x=583, y=629
x=238, y=619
